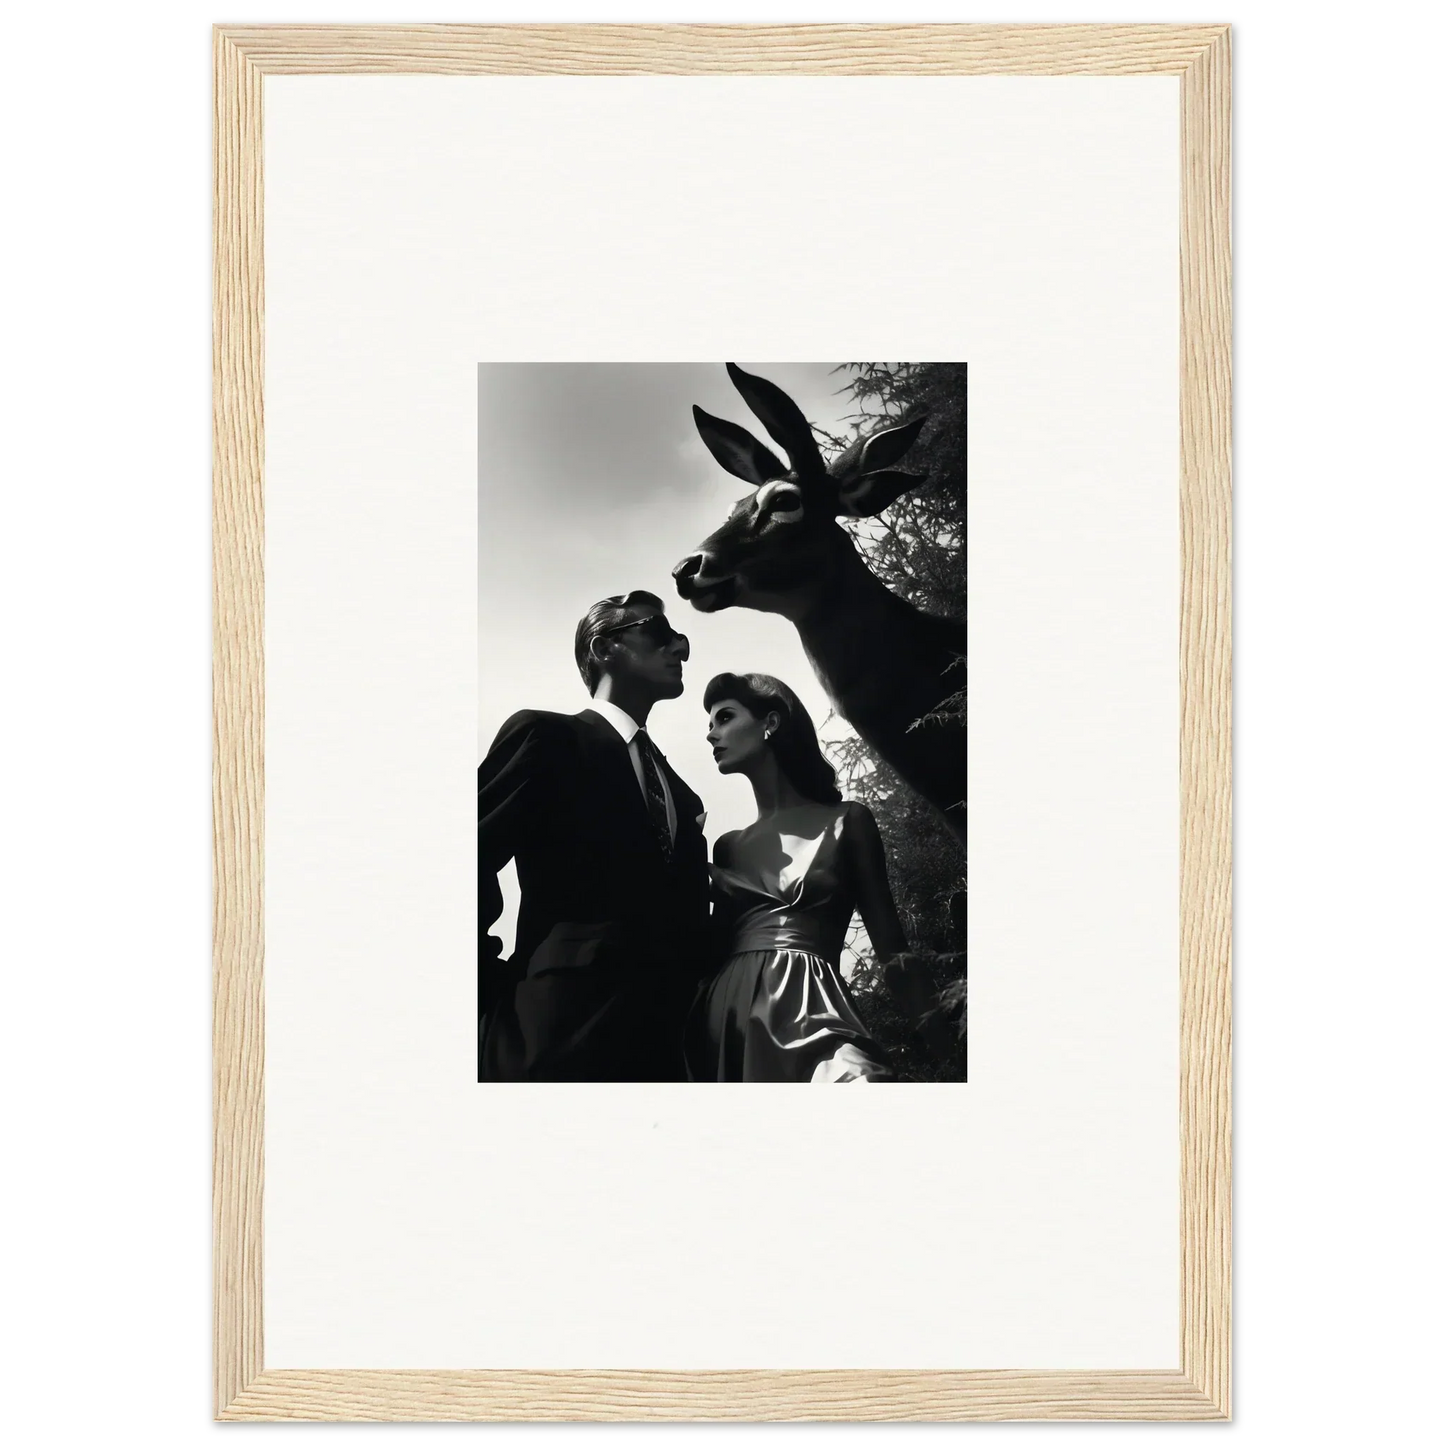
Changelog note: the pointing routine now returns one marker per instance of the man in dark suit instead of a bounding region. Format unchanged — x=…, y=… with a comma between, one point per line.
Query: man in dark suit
x=611, y=934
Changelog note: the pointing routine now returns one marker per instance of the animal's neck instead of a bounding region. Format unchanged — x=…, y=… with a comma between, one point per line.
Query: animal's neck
x=840, y=577
x=876, y=654
x=848, y=589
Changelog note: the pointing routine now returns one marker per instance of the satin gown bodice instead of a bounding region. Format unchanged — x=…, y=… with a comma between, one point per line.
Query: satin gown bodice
x=782, y=887
x=779, y=1011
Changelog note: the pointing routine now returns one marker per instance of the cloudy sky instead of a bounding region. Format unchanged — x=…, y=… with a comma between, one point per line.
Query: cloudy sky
x=592, y=480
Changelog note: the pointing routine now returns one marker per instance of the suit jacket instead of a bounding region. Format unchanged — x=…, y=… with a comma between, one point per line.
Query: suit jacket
x=611, y=935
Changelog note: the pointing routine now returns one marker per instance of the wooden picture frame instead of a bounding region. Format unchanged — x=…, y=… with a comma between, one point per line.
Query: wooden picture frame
x=1199, y=1388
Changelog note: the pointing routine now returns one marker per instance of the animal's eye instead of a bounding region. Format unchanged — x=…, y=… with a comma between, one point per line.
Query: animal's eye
x=780, y=501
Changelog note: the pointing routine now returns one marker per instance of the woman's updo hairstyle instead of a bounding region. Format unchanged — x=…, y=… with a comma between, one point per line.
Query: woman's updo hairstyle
x=794, y=742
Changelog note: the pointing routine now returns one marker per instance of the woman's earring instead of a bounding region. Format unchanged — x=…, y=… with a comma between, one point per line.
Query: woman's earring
x=767, y=733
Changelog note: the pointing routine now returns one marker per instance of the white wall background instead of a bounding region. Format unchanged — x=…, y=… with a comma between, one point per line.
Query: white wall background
x=1046, y=1234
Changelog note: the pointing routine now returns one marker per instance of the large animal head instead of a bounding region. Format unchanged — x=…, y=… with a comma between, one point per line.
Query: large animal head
x=784, y=536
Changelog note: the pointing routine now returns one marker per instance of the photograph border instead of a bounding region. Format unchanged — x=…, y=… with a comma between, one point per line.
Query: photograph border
x=1199, y=1389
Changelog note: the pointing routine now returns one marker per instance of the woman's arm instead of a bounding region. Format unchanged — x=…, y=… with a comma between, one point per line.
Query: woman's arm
x=905, y=975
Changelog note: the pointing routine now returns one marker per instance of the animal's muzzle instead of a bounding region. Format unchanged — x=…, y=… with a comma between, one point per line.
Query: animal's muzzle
x=694, y=585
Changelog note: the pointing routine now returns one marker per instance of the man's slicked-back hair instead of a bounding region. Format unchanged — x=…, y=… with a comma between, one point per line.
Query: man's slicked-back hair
x=601, y=616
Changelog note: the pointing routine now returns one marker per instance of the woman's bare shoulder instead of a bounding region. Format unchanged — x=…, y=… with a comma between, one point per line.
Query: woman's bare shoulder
x=860, y=837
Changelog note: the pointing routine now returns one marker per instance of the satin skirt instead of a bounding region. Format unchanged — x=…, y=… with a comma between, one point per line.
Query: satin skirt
x=780, y=1016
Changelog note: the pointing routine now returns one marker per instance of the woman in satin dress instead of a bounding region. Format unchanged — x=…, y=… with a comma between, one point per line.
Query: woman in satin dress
x=785, y=889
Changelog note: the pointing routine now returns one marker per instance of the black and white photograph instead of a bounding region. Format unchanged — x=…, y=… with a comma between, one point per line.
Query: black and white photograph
x=722, y=722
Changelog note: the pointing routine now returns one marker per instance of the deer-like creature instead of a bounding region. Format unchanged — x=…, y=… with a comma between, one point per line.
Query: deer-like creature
x=885, y=664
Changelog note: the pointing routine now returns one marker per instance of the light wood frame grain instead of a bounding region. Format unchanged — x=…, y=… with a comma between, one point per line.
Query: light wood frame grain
x=1199, y=1388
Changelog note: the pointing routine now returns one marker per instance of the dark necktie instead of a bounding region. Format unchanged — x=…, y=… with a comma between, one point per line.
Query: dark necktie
x=656, y=797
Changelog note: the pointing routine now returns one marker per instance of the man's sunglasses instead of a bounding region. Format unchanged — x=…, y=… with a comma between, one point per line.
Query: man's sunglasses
x=656, y=629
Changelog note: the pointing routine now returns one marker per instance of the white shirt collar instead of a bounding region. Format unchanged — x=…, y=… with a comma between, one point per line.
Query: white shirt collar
x=625, y=723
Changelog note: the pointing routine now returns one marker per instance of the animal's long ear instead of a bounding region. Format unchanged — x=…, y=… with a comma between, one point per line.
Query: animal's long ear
x=785, y=423
x=884, y=448
x=871, y=454
x=869, y=494
x=738, y=450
